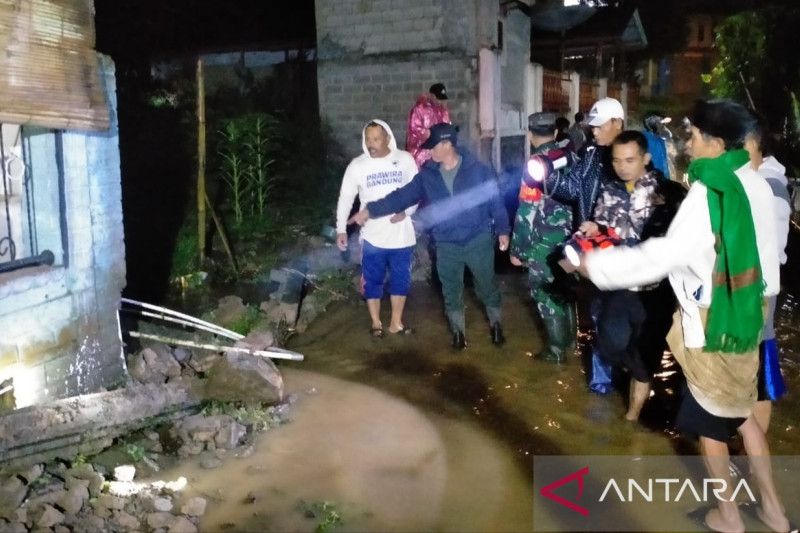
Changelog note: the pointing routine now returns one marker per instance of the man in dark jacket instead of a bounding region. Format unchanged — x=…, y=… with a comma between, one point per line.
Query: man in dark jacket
x=462, y=201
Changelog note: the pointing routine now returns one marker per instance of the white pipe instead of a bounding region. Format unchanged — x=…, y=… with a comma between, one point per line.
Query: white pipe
x=274, y=353
x=207, y=325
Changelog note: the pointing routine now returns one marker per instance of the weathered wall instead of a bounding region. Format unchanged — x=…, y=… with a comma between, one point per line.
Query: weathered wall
x=376, y=56
x=59, y=330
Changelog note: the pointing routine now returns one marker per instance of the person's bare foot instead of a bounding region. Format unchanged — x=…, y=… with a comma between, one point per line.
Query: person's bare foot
x=732, y=523
x=776, y=521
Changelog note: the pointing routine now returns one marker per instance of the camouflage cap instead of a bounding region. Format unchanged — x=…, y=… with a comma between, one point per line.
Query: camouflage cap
x=542, y=120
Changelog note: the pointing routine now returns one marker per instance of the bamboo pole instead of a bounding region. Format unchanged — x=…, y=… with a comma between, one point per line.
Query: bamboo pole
x=222, y=236
x=201, y=161
x=164, y=311
x=275, y=353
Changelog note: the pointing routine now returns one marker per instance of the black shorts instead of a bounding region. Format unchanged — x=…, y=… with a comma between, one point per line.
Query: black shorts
x=695, y=421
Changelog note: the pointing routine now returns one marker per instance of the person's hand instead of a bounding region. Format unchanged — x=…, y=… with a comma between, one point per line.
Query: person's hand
x=582, y=270
x=515, y=261
x=589, y=229
x=397, y=217
x=341, y=241
x=359, y=218
x=502, y=241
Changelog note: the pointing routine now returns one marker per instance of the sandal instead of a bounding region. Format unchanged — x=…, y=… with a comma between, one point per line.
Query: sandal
x=403, y=331
x=377, y=332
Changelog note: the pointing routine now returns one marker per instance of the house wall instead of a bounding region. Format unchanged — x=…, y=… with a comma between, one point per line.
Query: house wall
x=376, y=56
x=59, y=328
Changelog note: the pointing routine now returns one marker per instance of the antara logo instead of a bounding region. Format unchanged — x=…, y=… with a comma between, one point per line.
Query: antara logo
x=547, y=491
x=658, y=489
x=668, y=490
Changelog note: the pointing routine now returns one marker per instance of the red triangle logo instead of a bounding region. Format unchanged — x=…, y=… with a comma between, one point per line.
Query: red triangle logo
x=547, y=491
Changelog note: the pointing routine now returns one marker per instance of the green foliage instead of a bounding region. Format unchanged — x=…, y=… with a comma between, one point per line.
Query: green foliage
x=257, y=417
x=244, y=324
x=333, y=285
x=79, y=459
x=741, y=41
x=245, y=150
x=186, y=251
x=327, y=513
x=756, y=65
x=135, y=451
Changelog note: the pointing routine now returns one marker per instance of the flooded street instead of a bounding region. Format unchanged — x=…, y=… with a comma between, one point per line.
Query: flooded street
x=369, y=459
x=405, y=434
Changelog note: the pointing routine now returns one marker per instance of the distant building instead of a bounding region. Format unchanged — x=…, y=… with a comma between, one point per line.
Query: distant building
x=680, y=74
x=597, y=45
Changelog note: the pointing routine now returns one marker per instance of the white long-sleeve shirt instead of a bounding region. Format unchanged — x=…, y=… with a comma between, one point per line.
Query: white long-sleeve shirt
x=775, y=174
x=372, y=178
x=686, y=254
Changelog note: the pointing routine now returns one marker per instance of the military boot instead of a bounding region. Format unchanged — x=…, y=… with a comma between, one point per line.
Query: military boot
x=555, y=351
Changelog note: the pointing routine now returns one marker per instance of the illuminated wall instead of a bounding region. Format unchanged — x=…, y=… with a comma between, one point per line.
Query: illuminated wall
x=58, y=327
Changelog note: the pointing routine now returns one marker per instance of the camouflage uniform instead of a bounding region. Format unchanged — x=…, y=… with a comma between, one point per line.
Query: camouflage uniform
x=632, y=324
x=542, y=224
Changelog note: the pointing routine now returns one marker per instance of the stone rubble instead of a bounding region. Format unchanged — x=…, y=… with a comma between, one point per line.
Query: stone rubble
x=58, y=498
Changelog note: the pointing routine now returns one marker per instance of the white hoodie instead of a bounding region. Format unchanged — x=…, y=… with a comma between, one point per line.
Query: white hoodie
x=372, y=178
x=775, y=174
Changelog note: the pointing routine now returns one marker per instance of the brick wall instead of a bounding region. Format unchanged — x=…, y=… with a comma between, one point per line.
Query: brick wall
x=352, y=94
x=376, y=56
x=59, y=323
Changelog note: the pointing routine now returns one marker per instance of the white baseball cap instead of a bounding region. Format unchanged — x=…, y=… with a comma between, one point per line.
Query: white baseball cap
x=604, y=110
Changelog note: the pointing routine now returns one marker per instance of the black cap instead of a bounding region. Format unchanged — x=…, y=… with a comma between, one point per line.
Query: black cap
x=542, y=120
x=441, y=132
x=438, y=90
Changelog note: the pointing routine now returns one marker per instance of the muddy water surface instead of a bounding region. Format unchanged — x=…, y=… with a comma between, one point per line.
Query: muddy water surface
x=404, y=434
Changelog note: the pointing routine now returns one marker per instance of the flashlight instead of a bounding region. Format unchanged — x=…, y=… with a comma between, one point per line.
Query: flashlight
x=579, y=245
x=540, y=166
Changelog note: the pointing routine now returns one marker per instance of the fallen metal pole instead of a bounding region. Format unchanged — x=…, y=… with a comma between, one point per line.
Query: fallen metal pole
x=274, y=353
x=216, y=331
x=207, y=325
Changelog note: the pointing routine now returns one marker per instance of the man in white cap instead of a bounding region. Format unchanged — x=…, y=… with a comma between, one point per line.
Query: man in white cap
x=580, y=185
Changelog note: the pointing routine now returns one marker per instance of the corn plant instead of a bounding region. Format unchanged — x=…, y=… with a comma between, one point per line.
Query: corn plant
x=244, y=150
x=234, y=168
x=260, y=135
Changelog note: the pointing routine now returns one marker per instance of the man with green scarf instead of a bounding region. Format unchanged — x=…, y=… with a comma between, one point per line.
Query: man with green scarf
x=721, y=257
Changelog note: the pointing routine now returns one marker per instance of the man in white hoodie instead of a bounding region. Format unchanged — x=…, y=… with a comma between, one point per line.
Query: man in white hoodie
x=387, y=242
x=770, y=381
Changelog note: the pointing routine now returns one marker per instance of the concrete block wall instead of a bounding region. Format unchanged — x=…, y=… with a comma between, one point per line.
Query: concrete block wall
x=59, y=324
x=376, y=56
x=351, y=94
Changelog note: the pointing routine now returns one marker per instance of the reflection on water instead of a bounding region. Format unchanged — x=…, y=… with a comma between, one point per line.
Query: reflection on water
x=382, y=465
x=461, y=457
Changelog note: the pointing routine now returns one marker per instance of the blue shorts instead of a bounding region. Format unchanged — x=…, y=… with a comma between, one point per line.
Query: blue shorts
x=374, y=262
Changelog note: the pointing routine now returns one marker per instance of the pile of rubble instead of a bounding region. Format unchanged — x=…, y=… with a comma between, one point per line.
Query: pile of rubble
x=61, y=498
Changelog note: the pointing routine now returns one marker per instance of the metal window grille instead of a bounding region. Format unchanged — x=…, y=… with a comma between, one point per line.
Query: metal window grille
x=20, y=219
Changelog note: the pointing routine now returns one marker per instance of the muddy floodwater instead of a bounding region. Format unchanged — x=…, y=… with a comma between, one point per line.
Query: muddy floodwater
x=404, y=434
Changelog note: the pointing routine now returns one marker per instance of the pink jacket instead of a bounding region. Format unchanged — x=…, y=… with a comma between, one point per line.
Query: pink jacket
x=425, y=113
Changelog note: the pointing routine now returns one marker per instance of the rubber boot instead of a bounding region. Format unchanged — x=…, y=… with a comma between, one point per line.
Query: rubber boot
x=555, y=352
x=571, y=331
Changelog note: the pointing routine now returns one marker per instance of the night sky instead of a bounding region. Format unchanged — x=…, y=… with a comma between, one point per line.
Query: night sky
x=137, y=30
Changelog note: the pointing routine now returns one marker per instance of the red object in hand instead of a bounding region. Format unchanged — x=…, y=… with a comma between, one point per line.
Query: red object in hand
x=578, y=246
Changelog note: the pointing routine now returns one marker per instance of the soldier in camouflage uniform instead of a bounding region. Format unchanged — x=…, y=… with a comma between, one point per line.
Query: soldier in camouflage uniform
x=542, y=224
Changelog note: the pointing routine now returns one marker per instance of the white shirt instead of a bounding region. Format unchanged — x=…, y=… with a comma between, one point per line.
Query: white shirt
x=686, y=254
x=372, y=178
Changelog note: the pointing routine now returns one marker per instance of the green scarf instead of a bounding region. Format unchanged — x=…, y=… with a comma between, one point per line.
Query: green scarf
x=735, y=318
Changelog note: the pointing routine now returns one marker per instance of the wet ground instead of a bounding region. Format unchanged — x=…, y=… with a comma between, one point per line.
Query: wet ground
x=405, y=434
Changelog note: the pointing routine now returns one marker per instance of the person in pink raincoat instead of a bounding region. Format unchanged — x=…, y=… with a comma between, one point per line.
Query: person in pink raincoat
x=430, y=109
